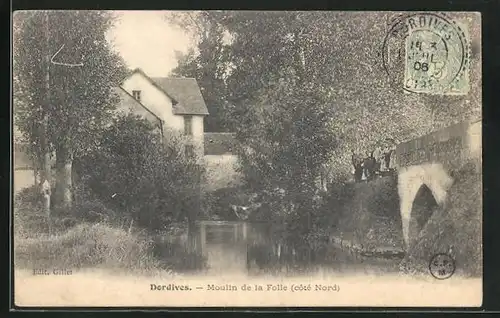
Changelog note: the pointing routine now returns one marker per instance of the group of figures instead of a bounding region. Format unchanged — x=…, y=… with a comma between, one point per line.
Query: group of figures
x=378, y=162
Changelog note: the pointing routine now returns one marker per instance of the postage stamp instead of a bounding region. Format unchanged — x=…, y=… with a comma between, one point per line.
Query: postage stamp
x=435, y=51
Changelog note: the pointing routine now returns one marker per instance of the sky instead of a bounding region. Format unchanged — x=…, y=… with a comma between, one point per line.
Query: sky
x=145, y=40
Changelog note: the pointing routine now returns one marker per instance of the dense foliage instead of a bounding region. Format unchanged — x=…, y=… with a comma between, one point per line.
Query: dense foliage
x=148, y=180
x=340, y=55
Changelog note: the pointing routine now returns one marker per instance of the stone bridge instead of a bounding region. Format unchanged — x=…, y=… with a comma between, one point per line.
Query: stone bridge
x=425, y=167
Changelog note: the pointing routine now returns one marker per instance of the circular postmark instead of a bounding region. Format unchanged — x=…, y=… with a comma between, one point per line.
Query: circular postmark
x=442, y=266
x=426, y=53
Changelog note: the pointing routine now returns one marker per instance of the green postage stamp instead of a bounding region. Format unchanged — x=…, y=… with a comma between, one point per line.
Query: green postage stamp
x=436, y=55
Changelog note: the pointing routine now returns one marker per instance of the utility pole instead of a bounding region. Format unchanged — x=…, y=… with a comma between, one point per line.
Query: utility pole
x=46, y=166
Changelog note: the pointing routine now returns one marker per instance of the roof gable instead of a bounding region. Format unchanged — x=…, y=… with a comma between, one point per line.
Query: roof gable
x=186, y=91
x=150, y=80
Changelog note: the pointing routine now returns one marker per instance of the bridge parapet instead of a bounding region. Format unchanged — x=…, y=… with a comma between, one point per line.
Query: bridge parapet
x=451, y=147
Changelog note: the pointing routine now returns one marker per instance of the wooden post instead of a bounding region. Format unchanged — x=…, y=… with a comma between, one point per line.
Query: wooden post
x=235, y=232
x=245, y=231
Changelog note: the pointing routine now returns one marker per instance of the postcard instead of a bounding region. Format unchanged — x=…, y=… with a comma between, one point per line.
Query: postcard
x=247, y=158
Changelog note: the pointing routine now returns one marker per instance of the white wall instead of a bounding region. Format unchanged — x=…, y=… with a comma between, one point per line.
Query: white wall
x=154, y=99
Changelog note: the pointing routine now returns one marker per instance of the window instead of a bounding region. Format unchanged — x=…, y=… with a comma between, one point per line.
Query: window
x=188, y=125
x=189, y=151
x=137, y=95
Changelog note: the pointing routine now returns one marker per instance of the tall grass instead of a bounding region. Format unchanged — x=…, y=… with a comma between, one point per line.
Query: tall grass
x=86, y=245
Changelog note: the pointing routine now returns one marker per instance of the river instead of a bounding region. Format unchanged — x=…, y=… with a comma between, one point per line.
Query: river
x=247, y=248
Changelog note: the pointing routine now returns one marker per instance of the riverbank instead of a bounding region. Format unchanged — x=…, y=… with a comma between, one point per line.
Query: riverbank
x=369, y=220
x=121, y=289
x=369, y=251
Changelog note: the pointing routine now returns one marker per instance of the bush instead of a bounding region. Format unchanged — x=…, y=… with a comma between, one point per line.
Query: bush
x=76, y=243
x=29, y=218
x=85, y=245
x=30, y=195
x=218, y=203
x=368, y=213
x=90, y=209
x=149, y=180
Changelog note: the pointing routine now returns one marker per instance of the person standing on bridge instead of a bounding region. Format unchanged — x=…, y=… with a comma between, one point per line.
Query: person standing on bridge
x=387, y=158
x=378, y=156
x=389, y=154
x=357, y=163
x=383, y=160
x=368, y=166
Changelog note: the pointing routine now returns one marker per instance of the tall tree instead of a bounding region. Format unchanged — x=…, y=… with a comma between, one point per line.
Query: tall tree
x=208, y=63
x=66, y=70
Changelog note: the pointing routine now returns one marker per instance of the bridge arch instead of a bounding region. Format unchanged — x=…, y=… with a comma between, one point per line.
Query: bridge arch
x=422, y=189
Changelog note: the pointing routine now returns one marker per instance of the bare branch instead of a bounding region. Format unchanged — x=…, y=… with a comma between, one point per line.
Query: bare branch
x=64, y=64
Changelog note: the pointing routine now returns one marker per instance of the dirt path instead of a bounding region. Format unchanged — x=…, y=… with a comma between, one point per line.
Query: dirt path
x=106, y=288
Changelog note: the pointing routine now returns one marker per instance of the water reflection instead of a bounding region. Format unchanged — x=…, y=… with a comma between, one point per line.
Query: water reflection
x=243, y=247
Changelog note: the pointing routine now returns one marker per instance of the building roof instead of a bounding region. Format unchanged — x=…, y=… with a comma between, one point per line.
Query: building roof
x=186, y=92
x=219, y=143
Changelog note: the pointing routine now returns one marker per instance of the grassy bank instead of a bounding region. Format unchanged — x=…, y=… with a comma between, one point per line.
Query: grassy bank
x=86, y=245
x=88, y=237
x=370, y=218
x=102, y=245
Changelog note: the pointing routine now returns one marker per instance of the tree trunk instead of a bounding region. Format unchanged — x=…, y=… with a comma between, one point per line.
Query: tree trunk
x=45, y=177
x=36, y=175
x=64, y=180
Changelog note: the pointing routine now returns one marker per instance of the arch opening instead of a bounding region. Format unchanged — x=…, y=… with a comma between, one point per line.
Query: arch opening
x=423, y=207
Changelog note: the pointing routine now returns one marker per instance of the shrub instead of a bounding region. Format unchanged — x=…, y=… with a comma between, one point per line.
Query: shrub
x=150, y=180
x=368, y=213
x=87, y=207
x=28, y=216
x=30, y=220
x=30, y=195
x=218, y=203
